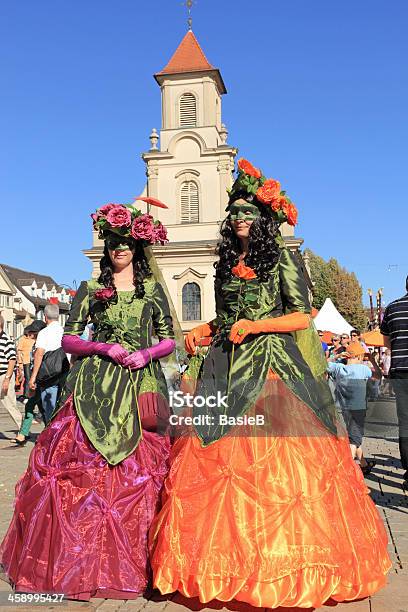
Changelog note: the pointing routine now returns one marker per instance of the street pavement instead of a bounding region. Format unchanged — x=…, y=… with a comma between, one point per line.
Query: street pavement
x=385, y=483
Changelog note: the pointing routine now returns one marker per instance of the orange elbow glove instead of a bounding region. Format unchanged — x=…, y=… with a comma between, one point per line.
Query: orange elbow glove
x=195, y=335
x=286, y=323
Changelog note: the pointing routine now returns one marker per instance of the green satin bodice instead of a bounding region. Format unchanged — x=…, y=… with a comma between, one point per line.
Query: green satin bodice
x=106, y=395
x=240, y=371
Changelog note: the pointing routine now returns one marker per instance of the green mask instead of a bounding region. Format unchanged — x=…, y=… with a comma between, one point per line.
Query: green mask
x=114, y=243
x=244, y=212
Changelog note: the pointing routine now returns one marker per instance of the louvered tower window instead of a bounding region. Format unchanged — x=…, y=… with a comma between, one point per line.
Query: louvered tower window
x=191, y=299
x=188, y=110
x=189, y=202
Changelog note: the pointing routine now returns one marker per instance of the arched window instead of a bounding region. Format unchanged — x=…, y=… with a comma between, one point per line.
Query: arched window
x=189, y=202
x=191, y=300
x=188, y=110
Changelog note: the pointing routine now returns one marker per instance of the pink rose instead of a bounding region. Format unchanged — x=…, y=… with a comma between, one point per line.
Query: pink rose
x=119, y=216
x=104, y=294
x=94, y=217
x=103, y=210
x=143, y=228
x=160, y=234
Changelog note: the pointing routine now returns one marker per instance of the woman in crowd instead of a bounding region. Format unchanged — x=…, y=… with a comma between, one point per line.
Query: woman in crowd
x=274, y=514
x=85, y=504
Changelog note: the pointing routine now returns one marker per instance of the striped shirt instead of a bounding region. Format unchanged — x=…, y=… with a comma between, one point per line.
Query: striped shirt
x=395, y=325
x=7, y=352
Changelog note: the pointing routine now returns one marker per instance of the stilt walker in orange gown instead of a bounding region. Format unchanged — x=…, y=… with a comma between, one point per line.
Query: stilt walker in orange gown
x=263, y=502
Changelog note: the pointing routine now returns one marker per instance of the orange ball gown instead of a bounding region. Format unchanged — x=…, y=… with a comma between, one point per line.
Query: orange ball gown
x=272, y=515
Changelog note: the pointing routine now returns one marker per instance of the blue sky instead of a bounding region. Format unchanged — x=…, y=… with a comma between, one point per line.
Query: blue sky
x=317, y=97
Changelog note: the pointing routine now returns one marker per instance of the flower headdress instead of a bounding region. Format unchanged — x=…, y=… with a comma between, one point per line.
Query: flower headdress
x=130, y=222
x=266, y=191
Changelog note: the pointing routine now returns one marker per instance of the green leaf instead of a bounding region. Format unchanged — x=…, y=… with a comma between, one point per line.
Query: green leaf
x=251, y=297
x=132, y=322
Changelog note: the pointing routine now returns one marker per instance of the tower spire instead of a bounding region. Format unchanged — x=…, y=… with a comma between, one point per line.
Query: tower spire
x=189, y=6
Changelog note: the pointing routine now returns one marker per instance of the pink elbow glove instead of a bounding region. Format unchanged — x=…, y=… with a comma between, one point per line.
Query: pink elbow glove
x=76, y=346
x=139, y=359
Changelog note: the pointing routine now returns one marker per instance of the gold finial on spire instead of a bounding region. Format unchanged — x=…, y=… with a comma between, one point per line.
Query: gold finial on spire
x=189, y=5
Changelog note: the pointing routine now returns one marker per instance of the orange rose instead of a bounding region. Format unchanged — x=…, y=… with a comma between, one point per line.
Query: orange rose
x=278, y=203
x=243, y=271
x=291, y=213
x=269, y=191
x=248, y=168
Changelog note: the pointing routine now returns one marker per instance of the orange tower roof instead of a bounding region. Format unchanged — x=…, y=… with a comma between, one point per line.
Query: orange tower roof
x=189, y=57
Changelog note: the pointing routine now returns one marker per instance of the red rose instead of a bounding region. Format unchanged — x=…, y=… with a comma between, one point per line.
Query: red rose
x=160, y=233
x=268, y=191
x=119, y=216
x=105, y=294
x=143, y=228
x=248, y=168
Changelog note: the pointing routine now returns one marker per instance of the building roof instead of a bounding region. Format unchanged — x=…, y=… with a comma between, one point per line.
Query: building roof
x=189, y=57
x=22, y=278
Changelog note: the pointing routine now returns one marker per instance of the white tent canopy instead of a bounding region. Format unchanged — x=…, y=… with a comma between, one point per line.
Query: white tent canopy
x=329, y=319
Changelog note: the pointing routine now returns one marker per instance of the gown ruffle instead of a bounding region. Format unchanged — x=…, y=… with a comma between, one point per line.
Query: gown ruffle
x=80, y=525
x=272, y=520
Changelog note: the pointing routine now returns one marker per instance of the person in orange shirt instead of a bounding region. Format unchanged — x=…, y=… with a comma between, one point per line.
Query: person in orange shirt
x=24, y=348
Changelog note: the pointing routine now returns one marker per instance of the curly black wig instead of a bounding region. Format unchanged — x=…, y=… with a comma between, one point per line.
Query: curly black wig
x=141, y=270
x=263, y=251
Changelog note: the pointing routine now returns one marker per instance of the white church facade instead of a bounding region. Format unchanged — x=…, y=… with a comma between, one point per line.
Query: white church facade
x=189, y=167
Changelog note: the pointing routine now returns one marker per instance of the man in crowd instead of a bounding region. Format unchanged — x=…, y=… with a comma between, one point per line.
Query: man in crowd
x=350, y=394
x=35, y=400
x=324, y=344
x=7, y=379
x=394, y=327
x=48, y=339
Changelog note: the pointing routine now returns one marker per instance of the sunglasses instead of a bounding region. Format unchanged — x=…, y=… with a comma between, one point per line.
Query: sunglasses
x=344, y=337
x=335, y=339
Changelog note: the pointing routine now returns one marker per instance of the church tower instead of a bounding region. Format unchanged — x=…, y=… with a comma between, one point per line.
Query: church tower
x=189, y=167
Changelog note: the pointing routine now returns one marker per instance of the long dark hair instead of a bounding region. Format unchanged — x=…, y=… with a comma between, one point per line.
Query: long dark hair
x=263, y=251
x=141, y=270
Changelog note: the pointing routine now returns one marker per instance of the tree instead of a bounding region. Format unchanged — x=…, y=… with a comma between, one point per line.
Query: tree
x=342, y=287
x=320, y=278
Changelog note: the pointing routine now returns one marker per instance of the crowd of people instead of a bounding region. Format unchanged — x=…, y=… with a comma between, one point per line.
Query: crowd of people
x=39, y=365
x=357, y=373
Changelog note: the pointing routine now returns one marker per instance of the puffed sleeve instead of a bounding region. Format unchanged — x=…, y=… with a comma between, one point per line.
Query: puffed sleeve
x=294, y=291
x=79, y=313
x=162, y=320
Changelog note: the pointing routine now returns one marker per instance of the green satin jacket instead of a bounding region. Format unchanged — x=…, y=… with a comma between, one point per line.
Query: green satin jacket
x=106, y=394
x=240, y=371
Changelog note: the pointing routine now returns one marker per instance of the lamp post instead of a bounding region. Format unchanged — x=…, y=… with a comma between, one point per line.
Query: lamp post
x=379, y=305
x=370, y=295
